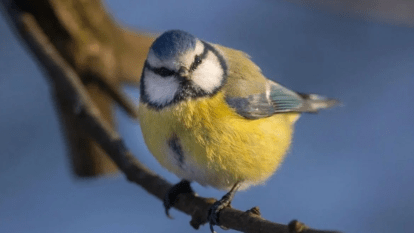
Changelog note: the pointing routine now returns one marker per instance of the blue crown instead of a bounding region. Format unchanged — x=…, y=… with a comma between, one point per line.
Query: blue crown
x=172, y=43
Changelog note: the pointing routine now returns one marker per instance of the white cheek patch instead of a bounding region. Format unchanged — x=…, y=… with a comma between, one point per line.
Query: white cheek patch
x=209, y=74
x=160, y=90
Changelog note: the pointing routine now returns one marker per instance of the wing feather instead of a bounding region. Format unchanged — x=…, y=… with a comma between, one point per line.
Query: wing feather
x=254, y=96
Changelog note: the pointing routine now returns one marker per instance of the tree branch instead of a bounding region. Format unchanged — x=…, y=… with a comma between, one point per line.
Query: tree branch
x=64, y=74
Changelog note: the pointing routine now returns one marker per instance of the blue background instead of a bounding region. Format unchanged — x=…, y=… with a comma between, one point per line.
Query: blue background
x=350, y=168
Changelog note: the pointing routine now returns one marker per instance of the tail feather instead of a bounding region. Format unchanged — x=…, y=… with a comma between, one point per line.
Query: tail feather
x=312, y=103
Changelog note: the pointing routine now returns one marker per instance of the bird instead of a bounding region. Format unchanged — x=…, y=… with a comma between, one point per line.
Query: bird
x=209, y=115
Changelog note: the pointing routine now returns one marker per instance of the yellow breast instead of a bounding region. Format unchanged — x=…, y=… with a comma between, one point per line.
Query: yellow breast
x=218, y=146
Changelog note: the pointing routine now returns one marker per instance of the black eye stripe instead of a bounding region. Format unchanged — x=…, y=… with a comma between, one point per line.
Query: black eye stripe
x=198, y=59
x=163, y=72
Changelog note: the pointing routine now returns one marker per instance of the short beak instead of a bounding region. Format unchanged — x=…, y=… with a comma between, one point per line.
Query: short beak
x=183, y=72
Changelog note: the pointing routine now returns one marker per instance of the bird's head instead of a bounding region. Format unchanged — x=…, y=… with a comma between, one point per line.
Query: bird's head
x=179, y=66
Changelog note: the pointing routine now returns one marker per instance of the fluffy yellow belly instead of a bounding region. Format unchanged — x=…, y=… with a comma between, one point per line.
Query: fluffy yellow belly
x=205, y=141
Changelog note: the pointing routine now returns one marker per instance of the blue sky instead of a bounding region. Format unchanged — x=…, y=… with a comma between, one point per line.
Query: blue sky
x=350, y=168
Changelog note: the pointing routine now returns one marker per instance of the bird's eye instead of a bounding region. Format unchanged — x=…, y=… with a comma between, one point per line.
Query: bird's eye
x=197, y=61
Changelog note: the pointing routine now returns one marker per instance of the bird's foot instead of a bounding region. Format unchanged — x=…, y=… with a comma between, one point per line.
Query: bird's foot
x=172, y=194
x=214, y=212
x=225, y=201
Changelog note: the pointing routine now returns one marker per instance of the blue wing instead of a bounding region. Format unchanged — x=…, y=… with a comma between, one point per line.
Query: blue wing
x=277, y=99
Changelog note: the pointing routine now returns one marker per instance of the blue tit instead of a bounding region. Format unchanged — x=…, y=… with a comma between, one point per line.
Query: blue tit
x=209, y=115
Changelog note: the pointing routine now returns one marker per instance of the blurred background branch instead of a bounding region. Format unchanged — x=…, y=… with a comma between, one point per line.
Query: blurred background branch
x=103, y=55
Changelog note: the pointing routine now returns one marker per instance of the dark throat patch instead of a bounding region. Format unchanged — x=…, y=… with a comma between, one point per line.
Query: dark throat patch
x=175, y=146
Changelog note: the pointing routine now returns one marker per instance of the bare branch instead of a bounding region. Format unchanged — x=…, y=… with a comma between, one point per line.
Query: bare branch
x=65, y=79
